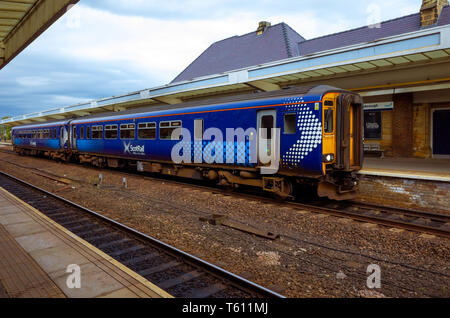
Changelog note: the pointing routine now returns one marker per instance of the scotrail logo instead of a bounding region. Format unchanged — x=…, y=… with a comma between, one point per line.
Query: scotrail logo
x=133, y=150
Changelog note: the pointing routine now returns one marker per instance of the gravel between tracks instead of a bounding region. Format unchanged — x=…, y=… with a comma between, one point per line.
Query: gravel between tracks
x=317, y=255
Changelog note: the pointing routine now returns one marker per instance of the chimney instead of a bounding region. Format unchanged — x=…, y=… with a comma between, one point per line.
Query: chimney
x=430, y=11
x=263, y=26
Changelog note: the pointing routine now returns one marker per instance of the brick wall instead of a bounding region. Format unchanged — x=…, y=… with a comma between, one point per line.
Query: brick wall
x=421, y=131
x=402, y=126
x=406, y=193
x=430, y=11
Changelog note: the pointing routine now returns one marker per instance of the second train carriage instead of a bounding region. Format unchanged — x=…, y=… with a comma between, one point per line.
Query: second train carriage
x=319, y=140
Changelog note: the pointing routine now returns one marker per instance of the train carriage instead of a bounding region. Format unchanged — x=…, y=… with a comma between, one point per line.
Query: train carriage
x=313, y=133
x=48, y=139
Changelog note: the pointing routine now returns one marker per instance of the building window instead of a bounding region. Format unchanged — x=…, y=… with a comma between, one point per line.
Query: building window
x=147, y=131
x=97, y=132
x=166, y=129
x=328, y=121
x=127, y=131
x=111, y=132
x=290, y=123
x=373, y=125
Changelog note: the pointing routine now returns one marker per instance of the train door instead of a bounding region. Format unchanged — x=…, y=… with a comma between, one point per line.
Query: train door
x=74, y=137
x=63, y=138
x=268, y=138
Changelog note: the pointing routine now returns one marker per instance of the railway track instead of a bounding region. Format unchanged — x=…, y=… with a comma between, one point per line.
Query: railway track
x=180, y=274
x=412, y=220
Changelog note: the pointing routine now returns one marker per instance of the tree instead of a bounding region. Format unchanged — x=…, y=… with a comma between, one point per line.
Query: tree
x=2, y=131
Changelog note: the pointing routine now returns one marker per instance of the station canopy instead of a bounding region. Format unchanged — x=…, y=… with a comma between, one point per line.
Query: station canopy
x=22, y=21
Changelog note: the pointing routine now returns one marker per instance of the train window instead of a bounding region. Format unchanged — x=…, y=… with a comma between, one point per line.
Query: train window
x=111, y=132
x=127, y=131
x=290, y=123
x=166, y=129
x=267, y=125
x=97, y=132
x=74, y=132
x=147, y=131
x=81, y=132
x=55, y=133
x=88, y=132
x=328, y=122
x=199, y=129
x=329, y=103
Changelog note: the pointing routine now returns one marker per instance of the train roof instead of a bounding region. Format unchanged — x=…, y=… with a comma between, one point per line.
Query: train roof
x=226, y=101
x=43, y=125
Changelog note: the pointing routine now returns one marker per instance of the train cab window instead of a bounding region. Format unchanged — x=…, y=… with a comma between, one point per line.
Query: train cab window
x=147, y=131
x=111, y=132
x=199, y=129
x=88, y=132
x=328, y=121
x=97, y=132
x=81, y=132
x=166, y=129
x=127, y=131
x=290, y=123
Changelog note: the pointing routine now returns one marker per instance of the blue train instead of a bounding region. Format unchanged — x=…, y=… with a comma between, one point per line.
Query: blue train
x=275, y=141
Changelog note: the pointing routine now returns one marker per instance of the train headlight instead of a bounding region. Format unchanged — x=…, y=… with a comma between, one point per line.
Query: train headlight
x=328, y=158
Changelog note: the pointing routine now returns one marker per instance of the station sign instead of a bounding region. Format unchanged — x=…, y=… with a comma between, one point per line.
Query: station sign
x=379, y=106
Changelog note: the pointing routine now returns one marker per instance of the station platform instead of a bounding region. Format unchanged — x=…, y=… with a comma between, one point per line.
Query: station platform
x=408, y=168
x=420, y=184
x=36, y=253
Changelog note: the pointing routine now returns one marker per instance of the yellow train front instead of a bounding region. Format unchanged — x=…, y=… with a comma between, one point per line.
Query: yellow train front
x=326, y=151
x=342, y=145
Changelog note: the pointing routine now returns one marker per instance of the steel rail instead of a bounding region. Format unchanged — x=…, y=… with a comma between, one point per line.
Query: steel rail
x=438, y=217
x=253, y=289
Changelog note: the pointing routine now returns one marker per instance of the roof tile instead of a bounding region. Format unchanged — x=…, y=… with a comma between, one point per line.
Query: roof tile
x=276, y=43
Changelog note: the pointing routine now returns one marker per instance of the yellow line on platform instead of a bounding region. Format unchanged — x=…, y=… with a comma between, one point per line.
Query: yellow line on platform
x=158, y=291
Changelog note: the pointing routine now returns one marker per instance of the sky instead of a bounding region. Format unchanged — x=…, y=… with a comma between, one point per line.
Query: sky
x=103, y=48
